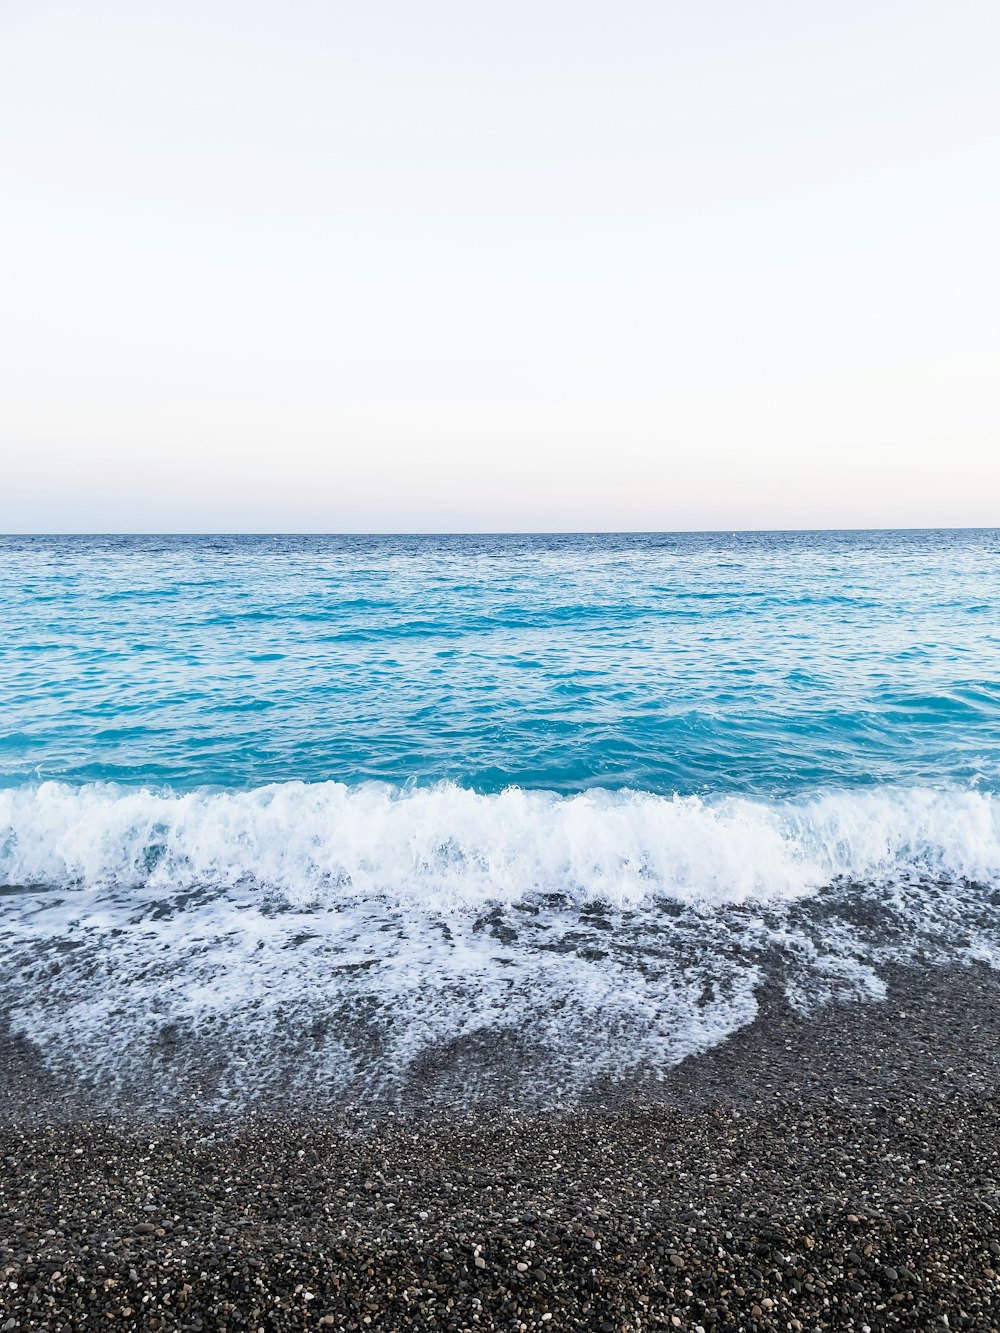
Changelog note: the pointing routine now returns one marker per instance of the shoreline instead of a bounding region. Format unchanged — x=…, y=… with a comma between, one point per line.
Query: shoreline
x=836, y=1171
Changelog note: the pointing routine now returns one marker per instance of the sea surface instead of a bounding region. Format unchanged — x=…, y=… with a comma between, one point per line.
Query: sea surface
x=362, y=819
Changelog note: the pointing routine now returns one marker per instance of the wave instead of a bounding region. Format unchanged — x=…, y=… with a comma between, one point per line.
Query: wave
x=447, y=846
x=440, y=945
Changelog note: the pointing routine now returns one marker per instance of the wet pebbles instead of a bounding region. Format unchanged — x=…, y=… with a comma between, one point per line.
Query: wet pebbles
x=839, y=1173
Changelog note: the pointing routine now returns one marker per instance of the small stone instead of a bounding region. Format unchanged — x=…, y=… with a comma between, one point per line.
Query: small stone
x=480, y=1261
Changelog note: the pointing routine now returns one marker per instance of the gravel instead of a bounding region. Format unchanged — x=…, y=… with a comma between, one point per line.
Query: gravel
x=837, y=1172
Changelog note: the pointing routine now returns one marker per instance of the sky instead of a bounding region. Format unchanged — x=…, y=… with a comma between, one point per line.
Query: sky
x=499, y=266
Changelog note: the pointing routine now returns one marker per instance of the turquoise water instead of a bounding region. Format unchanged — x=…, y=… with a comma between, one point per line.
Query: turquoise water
x=757, y=663
x=305, y=817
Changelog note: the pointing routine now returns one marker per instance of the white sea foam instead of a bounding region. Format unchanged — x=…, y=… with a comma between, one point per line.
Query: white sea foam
x=446, y=845
x=328, y=942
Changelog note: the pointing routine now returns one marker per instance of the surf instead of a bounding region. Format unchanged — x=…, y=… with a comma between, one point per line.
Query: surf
x=445, y=845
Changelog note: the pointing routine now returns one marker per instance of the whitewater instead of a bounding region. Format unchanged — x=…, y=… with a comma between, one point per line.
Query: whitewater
x=360, y=819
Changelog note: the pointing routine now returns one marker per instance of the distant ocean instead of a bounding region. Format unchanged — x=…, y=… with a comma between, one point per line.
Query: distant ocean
x=342, y=809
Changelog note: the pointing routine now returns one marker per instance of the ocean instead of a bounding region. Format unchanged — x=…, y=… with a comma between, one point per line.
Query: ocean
x=346, y=818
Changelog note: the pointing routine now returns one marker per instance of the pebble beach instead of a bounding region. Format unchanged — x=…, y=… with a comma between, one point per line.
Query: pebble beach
x=840, y=1171
x=500, y=932
x=499, y=668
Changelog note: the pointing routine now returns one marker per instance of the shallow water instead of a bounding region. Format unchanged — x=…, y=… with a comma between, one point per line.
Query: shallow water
x=316, y=810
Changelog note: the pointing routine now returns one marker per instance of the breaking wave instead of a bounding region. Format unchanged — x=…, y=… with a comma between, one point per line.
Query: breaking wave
x=449, y=846
x=328, y=945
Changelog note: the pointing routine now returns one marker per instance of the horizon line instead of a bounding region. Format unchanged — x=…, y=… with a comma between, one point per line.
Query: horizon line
x=498, y=532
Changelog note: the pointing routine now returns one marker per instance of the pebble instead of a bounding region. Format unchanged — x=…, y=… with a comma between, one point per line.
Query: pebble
x=706, y=1209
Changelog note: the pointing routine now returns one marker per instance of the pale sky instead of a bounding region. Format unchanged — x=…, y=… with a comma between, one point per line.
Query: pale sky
x=391, y=266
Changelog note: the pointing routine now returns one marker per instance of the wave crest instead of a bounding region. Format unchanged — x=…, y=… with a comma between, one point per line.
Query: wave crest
x=447, y=845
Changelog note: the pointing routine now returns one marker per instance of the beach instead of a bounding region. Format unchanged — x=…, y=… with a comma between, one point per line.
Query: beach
x=500, y=932
x=500, y=668
x=837, y=1171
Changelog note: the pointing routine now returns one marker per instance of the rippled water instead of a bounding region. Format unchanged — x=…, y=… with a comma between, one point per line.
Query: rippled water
x=767, y=663
x=315, y=811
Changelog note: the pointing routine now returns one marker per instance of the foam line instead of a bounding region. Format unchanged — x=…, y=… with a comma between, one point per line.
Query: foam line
x=448, y=846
